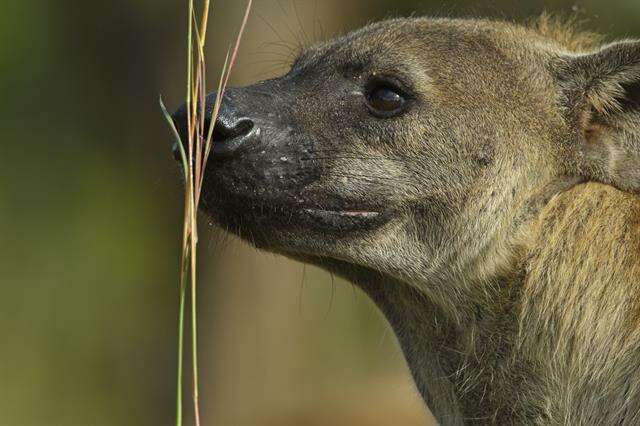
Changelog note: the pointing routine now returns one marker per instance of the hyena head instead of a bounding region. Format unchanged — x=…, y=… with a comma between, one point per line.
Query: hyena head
x=415, y=149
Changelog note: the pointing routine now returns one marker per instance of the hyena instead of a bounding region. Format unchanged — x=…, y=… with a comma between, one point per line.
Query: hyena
x=478, y=180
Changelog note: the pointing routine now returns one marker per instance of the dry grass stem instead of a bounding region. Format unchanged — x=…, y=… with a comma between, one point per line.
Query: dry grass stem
x=194, y=160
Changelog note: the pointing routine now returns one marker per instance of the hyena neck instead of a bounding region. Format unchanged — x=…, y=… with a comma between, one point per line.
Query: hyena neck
x=461, y=363
x=458, y=350
x=423, y=336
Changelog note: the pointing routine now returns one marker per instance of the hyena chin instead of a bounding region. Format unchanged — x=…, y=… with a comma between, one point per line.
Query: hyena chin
x=478, y=180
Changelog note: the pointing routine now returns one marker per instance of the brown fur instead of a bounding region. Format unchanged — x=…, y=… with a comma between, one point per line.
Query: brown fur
x=568, y=32
x=580, y=303
x=509, y=260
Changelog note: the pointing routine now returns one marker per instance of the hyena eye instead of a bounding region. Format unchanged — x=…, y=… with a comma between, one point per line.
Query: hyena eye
x=384, y=100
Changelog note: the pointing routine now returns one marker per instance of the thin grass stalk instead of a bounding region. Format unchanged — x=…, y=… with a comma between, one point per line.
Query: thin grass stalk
x=199, y=108
x=205, y=21
x=194, y=316
x=194, y=160
x=181, y=309
x=186, y=233
x=183, y=268
x=224, y=80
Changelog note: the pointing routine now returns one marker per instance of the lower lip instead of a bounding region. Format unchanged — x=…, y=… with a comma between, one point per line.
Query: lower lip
x=342, y=220
x=312, y=219
x=343, y=213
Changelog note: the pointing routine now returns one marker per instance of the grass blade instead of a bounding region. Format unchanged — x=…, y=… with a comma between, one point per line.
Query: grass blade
x=194, y=152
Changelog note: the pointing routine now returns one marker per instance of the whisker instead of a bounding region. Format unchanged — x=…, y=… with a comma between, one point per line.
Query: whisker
x=390, y=184
x=279, y=62
x=304, y=276
x=296, y=37
x=306, y=39
x=354, y=153
x=364, y=158
x=282, y=44
x=333, y=293
x=294, y=47
x=264, y=52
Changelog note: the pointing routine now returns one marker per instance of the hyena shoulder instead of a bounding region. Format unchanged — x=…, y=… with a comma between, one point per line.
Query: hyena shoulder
x=580, y=310
x=596, y=226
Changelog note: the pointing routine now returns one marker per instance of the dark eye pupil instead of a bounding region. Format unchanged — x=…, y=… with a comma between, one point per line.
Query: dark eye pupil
x=386, y=100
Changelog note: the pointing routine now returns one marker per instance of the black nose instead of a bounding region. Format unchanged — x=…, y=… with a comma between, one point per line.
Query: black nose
x=232, y=132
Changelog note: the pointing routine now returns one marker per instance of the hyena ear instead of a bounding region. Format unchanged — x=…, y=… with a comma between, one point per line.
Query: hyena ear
x=601, y=96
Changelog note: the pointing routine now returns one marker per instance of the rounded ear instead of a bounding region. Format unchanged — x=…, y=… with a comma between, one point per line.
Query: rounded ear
x=601, y=95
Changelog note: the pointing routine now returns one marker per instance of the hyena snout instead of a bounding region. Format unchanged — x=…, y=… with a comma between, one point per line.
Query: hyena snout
x=233, y=132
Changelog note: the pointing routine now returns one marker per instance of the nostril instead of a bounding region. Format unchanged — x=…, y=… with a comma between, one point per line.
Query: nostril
x=229, y=137
x=226, y=131
x=244, y=127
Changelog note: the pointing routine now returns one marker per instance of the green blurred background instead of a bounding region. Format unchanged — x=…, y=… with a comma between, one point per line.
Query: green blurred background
x=90, y=217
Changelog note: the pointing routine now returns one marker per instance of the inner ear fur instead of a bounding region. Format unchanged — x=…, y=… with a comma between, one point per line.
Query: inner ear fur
x=601, y=96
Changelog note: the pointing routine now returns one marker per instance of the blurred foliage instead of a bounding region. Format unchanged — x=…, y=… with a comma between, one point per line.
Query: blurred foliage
x=90, y=225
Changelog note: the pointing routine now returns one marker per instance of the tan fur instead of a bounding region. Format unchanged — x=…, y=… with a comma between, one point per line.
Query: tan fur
x=579, y=318
x=568, y=32
x=509, y=267
x=537, y=324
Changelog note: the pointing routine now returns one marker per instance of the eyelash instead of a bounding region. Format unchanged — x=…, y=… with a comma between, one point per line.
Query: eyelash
x=388, y=79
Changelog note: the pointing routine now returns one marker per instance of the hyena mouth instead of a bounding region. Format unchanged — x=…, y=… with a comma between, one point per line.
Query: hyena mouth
x=343, y=213
x=344, y=220
x=276, y=216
